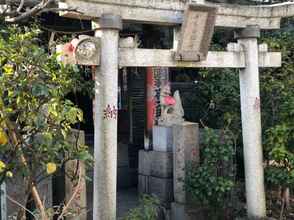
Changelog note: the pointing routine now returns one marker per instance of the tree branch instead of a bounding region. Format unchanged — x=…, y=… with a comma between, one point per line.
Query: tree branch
x=13, y=9
x=31, y=12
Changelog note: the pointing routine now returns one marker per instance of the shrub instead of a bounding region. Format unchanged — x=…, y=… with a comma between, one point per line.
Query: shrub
x=148, y=209
x=211, y=182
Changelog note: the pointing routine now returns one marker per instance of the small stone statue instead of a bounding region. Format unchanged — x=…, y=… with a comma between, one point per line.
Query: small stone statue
x=172, y=111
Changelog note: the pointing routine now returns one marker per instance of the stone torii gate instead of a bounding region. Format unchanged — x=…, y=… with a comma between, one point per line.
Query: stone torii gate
x=245, y=55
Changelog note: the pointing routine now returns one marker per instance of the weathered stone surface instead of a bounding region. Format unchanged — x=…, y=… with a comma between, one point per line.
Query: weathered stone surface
x=161, y=164
x=186, y=149
x=143, y=184
x=150, y=57
x=171, y=114
x=144, y=167
x=79, y=202
x=162, y=138
x=162, y=188
x=171, y=12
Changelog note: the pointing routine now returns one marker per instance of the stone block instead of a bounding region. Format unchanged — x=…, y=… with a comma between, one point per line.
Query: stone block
x=185, y=150
x=144, y=166
x=161, y=164
x=162, y=188
x=162, y=138
x=79, y=203
x=143, y=184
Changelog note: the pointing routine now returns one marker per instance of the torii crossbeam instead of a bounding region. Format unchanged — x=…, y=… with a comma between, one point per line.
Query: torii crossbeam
x=170, y=12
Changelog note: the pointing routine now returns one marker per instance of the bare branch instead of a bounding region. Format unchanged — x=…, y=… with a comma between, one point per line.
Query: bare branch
x=20, y=205
x=28, y=3
x=31, y=12
x=40, y=6
x=59, y=10
x=20, y=6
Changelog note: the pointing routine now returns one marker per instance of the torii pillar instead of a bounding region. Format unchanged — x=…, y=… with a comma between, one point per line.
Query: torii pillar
x=105, y=119
x=251, y=123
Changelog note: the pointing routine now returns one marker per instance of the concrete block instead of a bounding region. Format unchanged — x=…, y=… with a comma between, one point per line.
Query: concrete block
x=161, y=164
x=162, y=138
x=162, y=188
x=144, y=166
x=185, y=150
x=143, y=184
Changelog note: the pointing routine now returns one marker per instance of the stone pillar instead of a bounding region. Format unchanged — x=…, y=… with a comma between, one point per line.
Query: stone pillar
x=105, y=119
x=185, y=150
x=251, y=123
x=78, y=203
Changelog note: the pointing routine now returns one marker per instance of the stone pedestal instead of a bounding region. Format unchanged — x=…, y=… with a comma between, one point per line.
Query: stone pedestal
x=143, y=184
x=155, y=174
x=144, y=167
x=162, y=139
x=161, y=164
x=144, y=170
x=162, y=171
x=162, y=188
x=185, y=150
x=73, y=167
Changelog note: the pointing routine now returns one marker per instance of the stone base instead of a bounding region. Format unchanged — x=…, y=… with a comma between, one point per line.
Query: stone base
x=162, y=139
x=143, y=184
x=161, y=164
x=162, y=188
x=144, y=166
x=186, y=149
x=156, y=163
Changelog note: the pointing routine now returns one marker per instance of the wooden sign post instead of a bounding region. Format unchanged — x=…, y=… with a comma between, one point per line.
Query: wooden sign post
x=196, y=33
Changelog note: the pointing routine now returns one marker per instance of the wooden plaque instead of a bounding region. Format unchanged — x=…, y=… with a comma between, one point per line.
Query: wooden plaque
x=196, y=33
